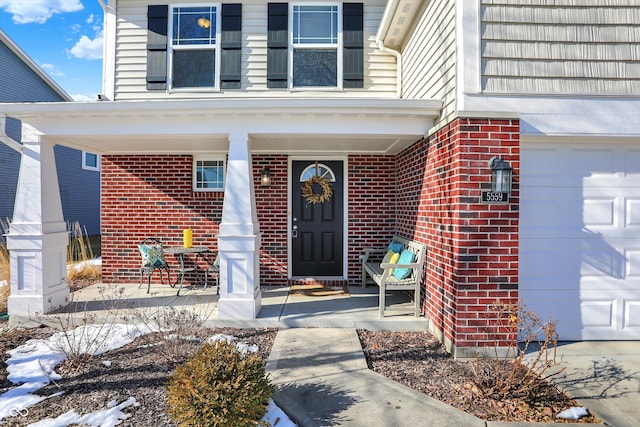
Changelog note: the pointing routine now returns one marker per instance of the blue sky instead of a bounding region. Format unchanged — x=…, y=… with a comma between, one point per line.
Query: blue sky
x=64, y=37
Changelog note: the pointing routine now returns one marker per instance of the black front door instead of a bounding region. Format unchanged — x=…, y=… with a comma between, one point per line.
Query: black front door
x=317, y=228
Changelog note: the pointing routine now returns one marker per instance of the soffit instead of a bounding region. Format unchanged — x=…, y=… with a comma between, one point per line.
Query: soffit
x=397, y=21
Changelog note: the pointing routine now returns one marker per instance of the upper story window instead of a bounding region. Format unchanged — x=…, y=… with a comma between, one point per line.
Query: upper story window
x=90, y=161
x=194, y=47
x=315, y=45
x=193, y=51
x=208, y=174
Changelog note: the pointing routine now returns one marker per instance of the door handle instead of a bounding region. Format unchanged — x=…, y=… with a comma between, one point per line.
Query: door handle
x=294, y=233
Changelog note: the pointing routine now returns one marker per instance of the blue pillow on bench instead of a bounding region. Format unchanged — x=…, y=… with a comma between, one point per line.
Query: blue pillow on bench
x=395, y=247
x=406, y=257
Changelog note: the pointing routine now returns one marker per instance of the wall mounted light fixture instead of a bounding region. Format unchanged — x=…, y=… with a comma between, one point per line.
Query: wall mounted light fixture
x=265, y=177
x=501, y=175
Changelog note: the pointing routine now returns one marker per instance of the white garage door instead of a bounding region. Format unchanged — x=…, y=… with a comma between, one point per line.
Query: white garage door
x=580, y=238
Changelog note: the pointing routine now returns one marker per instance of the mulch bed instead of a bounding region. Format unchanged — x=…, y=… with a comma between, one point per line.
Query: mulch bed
x=141, y=369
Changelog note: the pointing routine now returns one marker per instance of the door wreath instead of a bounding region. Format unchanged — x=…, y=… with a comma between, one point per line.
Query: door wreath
x=311, y=196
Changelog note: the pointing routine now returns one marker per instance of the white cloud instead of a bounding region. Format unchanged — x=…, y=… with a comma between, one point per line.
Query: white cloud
x=38, y=11
x=90, y=19
x=84, y=98
x=85, y=48
x=52, y=70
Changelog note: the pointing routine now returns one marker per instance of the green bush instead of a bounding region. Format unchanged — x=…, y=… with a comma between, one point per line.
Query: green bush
x=220, y=386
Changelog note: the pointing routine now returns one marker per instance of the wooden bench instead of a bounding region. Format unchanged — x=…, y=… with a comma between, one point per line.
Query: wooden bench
x=386, y=281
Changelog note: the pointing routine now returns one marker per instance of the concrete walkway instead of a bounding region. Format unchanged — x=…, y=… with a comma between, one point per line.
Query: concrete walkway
x=322, y=379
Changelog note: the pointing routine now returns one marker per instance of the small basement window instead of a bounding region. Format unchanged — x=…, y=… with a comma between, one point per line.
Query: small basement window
x=208, y=174
x=90, y=161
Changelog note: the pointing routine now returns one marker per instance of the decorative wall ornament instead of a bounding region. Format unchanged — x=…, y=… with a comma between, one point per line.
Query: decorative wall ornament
x=311, y=196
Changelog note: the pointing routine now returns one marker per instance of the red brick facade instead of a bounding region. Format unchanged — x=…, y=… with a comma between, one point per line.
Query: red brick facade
x=472, y=247
x=151, y=196
x=431, y=192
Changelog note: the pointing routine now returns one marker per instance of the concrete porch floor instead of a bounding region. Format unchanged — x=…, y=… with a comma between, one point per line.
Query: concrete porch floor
x=280, y=309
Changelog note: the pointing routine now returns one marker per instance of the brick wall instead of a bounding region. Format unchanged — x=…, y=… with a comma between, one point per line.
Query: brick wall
x=372, y=207
x=272, y=209
x=151, y=196
x=472, y=247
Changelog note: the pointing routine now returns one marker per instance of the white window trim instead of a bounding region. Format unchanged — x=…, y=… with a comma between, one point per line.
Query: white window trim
x=87, y=167
x=170, y=48
x=315, y=46
x=195, y=175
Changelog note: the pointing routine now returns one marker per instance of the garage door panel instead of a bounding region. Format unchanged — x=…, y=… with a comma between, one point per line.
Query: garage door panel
x=599, y=211
x=632, y=315
x=580, y=238
x=598, y=313
x=633, y=263
x=632, y=212
x=587, y=162
x=632, y=162
x=561, y=309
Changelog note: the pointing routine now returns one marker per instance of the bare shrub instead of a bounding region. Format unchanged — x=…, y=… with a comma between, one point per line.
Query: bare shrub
x=177, y=330
x=79, y=341
x=520, y=368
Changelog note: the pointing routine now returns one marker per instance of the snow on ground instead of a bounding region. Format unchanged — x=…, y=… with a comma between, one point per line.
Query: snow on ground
x=32, y=366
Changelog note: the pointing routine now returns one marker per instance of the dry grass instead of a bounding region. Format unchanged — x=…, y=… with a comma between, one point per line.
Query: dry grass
x=78, y=253
x=4, y=273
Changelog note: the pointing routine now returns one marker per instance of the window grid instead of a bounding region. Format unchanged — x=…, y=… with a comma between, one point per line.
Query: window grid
x=194, y=54
x=193, y=14
x=299, y=13
x=208, y=175
x=308, y=51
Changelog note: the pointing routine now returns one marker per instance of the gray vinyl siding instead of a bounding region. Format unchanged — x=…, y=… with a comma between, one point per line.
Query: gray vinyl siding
x=19, y=83
x=130, y=59
x=80, y=203
x=429, y=66
x=561, y=47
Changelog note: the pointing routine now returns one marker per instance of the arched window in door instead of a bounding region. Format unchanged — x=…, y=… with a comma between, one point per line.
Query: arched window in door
x=323, y=171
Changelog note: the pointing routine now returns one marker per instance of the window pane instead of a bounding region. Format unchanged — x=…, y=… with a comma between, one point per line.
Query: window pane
x=194, y=25
x=193, y=68
x=209, y=174
x=91, y=160
x=315, y=24
x=315, y=67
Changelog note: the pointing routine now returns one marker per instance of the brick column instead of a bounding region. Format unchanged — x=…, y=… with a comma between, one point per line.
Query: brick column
x=472, y=247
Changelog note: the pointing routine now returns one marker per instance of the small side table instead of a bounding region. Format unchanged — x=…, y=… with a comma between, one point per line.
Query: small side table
x=180, y=252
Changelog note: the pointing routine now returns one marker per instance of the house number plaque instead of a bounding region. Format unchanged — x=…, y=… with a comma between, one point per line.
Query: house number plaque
x=495, y=197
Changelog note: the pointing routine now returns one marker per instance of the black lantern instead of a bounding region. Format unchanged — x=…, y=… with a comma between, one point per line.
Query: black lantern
x=501, y=174
x=265, y=177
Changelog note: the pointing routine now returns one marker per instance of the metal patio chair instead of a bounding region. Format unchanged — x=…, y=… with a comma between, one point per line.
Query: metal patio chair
x=152, y=253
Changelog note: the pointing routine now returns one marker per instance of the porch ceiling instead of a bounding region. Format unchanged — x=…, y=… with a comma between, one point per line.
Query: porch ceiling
x=284, y=126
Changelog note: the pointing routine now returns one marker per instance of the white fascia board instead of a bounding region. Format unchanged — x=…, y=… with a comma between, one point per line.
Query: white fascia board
x=227, y=106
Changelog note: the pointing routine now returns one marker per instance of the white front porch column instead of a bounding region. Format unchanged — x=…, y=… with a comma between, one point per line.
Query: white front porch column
x=239, y=237
x=38, y=237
